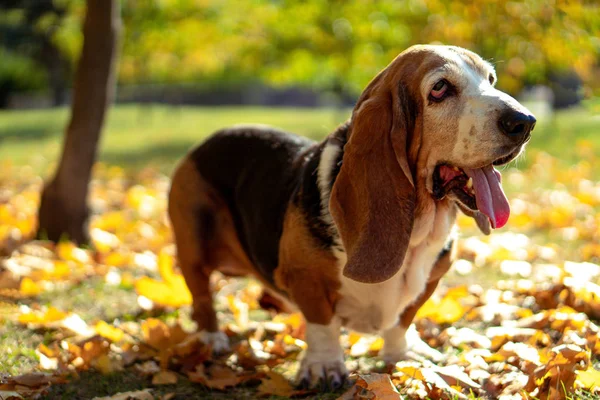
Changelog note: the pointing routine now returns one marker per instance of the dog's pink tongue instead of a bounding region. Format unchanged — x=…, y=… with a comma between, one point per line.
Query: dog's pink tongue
x=490, y=197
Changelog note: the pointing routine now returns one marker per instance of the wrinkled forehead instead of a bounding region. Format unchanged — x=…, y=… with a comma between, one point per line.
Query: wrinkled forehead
x=463, y=68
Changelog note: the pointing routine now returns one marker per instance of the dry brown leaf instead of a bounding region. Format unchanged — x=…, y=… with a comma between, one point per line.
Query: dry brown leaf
x=147, y=368
x=216, y=377
x=274, y=384
x=379, y=386
x=10, y=395
x=164, y=378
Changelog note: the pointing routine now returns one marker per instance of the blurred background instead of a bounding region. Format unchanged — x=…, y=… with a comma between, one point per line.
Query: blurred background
x=188, y=67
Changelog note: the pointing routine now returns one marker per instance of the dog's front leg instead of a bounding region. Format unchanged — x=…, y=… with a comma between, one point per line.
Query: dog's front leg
x=402, y=341
x=323, y=364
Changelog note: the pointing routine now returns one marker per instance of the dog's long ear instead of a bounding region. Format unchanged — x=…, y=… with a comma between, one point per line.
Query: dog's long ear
x=373, y=197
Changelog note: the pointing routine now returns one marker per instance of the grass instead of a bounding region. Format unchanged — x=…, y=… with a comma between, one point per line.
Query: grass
x=136, y=135
x=139, y=135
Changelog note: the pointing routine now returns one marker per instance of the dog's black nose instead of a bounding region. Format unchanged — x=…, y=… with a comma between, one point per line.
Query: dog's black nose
x=516, y=124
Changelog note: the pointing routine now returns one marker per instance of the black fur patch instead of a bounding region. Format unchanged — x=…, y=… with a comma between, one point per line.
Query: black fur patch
x=447, y=249
x=259, y=171
x=253, y=170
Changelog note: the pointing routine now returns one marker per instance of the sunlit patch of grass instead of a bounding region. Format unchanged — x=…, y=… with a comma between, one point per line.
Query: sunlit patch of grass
x=139, y=135
x=17, y=348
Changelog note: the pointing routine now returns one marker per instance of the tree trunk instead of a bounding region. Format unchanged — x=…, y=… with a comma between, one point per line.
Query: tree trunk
x=63, y=209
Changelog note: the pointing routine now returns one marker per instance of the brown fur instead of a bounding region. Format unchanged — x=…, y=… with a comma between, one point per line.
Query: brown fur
x=307, y=273
x=375, y=193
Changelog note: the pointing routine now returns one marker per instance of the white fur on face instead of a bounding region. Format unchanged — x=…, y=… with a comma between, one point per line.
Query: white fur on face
x=464, y=127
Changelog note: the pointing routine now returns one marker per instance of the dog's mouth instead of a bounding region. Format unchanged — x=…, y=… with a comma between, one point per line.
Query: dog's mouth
x=478, y=189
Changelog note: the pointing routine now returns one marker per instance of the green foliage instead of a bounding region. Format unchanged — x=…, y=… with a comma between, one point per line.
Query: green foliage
x=339, y=45
x=342, y=44
x=18, y=73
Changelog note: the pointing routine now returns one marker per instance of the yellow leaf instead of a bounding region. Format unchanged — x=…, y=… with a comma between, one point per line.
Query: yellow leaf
x=175, y=293
x=29, y=288
x=117, y=259
x=61, y=270
x=458, y=292
x=353, y=337
x=68, y=251
x=171, y=291
x=448, y=310
x=589, y=379
x=377, y=345
x=109, y=332
x=51, y=315
x=294, y=320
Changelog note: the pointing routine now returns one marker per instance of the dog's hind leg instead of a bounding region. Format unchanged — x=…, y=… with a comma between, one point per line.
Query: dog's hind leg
x=193, y=218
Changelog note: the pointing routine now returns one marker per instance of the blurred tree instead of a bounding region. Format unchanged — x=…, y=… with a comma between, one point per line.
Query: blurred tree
x=63, y=208
x=340, y=45
x=28, y=28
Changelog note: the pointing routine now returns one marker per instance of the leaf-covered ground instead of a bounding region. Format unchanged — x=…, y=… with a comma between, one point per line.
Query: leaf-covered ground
x=515, y=318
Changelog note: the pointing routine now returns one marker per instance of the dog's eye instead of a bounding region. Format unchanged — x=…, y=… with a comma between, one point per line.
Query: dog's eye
x=439, y=90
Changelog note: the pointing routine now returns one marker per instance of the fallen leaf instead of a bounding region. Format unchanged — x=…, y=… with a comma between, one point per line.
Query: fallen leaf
x=274, y=384
x=10, y=395
x=29, y=288
x=42, y=318
x=164, y=378
x=379, y=386
x=216, y=377
x=589, y=379
x=109, y=332
x=171, y=291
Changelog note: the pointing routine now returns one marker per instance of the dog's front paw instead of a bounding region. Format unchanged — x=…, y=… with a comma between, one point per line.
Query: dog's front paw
x=330, y=374
x=218, y=341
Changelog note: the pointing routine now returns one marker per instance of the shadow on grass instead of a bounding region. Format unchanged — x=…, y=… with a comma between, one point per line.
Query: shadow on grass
x=31, y=132
x=160, y=154
x=92, y=384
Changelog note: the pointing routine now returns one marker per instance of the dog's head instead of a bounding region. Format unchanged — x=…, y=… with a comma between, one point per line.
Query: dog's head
x=432, y=120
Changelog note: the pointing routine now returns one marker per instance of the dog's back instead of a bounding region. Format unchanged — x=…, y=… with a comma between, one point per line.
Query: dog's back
x=250, y=169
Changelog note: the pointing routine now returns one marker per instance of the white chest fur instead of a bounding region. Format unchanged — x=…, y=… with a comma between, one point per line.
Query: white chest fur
x=371, y=308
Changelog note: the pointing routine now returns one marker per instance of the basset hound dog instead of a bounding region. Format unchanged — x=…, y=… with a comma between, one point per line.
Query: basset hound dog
x=358, y=229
